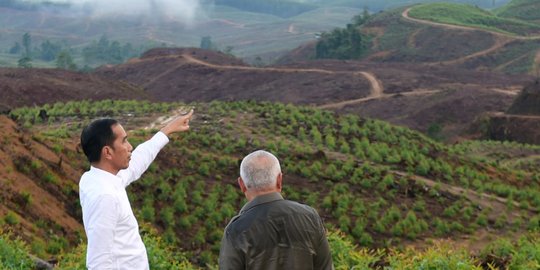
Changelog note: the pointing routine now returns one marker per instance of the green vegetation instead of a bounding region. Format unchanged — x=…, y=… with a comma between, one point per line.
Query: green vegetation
x=14, y=254
x=346, y=43
x=367, y=178
x=500, y=254
x=103, y=51
x=528, y=10
x=467, y=15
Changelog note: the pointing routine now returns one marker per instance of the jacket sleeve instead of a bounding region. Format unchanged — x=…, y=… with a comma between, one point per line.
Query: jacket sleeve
x=100, y=224
x=323, y=256
x=142, y=157
x=229, y=256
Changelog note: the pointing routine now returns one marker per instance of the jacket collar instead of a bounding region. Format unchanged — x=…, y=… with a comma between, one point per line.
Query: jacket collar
x=265, y=198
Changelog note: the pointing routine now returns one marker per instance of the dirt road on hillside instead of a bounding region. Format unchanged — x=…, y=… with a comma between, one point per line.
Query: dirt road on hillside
x=340, y=105
x=500, y=41
x=376, y=86
x=376, y=91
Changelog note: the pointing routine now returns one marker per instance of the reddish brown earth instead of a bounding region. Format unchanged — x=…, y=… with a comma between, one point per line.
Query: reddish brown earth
x=196, y=75
x=20, y=87
x=24, y=162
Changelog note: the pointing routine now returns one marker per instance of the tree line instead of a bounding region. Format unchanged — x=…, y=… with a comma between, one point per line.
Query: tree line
x=344, y=43
x=102, y=51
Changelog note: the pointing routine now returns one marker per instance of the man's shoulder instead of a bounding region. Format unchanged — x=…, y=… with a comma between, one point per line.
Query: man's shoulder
x=270, y=210
x=300, y=207
x=95, y=185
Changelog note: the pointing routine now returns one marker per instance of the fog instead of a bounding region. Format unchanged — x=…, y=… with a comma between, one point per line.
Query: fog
x=184, y=10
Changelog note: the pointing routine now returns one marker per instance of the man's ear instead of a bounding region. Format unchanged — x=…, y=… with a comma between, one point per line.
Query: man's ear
x=106, y=152
x=279, y=181
x=242, y=185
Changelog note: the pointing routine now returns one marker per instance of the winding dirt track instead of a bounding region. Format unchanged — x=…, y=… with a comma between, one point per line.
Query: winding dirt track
x=376, y=86
x=500, y=39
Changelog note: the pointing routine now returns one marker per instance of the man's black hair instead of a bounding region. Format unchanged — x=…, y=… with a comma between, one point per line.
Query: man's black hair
x=97, y=135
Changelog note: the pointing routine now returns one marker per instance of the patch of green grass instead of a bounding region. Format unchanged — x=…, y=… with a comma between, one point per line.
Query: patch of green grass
x=466, y=15
x=528, y=10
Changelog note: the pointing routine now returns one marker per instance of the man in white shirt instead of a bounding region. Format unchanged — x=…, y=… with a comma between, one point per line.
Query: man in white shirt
x=111, y=228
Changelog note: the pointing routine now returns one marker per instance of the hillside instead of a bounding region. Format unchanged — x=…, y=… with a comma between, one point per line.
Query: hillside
x=382, y=185
x=447, y=34
x=419, y=96
x=414, y=95
x=197, y=75
x=470, y=16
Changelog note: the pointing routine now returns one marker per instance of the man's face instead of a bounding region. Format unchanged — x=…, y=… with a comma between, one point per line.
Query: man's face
x=121, y=148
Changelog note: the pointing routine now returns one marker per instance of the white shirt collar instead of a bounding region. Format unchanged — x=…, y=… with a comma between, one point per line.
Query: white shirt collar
x=116, y=180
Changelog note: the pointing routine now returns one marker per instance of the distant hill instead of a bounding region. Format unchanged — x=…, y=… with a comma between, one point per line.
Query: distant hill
x=485, y=43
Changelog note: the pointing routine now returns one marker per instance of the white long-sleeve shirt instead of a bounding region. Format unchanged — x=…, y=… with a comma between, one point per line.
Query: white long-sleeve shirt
x=111, y=228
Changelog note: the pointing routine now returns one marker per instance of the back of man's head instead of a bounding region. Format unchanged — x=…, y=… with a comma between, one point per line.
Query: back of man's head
x=259, y=171
x=95, y=136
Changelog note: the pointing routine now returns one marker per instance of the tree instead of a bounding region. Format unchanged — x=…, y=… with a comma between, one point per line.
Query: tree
x=49, y=50
x=228, y=50
x=25, y=62
x=15, y=49
x=65, y=61
x=361, y=18
x=206, y=43
x=27, y=44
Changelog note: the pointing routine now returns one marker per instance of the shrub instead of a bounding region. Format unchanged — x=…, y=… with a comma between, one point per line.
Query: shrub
x=14, y=253
x=437, y=257
x=345, y=255
x=11, y=218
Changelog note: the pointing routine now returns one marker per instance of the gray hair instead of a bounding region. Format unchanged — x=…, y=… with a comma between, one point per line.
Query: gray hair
x=259, y=170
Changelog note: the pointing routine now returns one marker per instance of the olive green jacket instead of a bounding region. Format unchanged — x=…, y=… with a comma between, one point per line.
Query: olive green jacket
x=273, y=233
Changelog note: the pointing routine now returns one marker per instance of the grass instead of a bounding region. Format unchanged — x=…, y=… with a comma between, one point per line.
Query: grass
x=466, y=15
x=528, y=10
x=396, y=32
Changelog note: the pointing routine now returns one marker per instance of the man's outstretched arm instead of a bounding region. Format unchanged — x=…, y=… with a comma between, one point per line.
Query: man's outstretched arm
x=146, y=152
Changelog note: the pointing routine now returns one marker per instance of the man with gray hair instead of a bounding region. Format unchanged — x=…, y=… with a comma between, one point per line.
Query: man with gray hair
x=270, y=232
